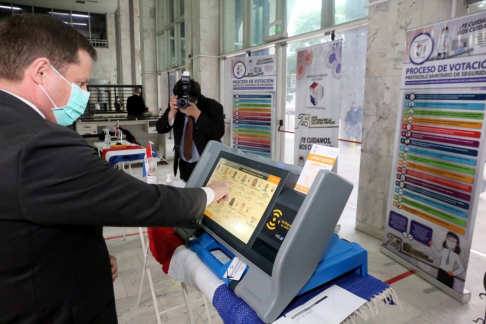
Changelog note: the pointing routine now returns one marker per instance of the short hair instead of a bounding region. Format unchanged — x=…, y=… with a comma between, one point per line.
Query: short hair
x=26, y=37
x=194, y=92
x=137, y=90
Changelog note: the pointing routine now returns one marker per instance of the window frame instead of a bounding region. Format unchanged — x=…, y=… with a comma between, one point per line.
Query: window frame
x=328, y=13
x=164, y=26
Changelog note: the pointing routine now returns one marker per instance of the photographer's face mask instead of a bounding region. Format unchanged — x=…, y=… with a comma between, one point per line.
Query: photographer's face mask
x=75, y=106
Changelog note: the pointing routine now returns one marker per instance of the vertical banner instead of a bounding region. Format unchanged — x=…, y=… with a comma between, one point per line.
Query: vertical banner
x=439, y=151
x=253, y=86
x=318, y=99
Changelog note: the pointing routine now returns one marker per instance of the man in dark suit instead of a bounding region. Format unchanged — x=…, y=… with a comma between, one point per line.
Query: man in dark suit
x=135, y=104
x=56, y=192
x=201, y=122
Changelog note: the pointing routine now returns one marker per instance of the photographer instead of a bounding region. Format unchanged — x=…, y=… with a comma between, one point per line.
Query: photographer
x=194, y=126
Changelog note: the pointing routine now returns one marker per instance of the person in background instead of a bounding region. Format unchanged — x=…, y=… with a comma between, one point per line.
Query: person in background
x=135, y=104
x=201, y=122
x=57, y=193
x=118, y=104
x=353, y=123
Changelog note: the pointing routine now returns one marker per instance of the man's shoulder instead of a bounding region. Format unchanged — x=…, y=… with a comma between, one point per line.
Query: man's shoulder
x=56, y=135
x=210, y=103
x=16, y=111
x=206, y=99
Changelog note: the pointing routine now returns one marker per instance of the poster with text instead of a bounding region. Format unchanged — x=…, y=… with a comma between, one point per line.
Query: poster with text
x=317, y=98
x=450, y=53
x=254, y=73
x=439, y=149
x=253, y=93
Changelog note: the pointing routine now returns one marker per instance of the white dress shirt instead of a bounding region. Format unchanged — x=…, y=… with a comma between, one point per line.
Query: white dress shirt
x=195, y=153
x=447, y=260
x=195, y=157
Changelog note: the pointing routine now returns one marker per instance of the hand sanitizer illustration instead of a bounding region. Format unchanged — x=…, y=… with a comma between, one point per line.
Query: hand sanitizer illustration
x=250, y=68
x=420, y=51
x=442, y=48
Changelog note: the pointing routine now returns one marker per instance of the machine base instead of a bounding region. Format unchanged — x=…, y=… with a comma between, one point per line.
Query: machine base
x=340, y=257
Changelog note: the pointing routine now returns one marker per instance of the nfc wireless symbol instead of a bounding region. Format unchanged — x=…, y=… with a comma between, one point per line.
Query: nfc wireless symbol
x=276, y=214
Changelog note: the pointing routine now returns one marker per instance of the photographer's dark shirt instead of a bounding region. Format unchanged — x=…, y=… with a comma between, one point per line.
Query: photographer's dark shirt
x=136, y=105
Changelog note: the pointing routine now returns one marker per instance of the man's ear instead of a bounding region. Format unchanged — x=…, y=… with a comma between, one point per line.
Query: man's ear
x=37, y=70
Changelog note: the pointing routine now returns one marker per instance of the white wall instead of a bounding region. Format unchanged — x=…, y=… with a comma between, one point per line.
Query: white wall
x=149, y=54
x=105, y=68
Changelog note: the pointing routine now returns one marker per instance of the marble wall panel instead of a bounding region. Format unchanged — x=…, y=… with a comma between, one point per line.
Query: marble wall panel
x=388, y=23
x=149, y=54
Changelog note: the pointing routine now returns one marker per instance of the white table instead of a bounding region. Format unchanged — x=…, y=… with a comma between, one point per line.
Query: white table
x=100, y=146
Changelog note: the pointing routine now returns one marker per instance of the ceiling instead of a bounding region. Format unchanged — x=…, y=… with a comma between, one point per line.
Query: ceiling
x=96, y=6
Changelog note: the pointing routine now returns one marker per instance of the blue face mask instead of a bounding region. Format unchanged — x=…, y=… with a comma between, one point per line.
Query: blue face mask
x=75, y=107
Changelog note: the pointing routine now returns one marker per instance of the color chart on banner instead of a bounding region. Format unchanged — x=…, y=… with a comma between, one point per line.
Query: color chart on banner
x=437, y=171
x=252, y=123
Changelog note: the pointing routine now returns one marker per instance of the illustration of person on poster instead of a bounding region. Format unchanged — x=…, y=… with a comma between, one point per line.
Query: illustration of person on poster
x=450, y=261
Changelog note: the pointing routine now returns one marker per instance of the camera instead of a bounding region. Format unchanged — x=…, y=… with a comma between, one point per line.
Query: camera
x=184, y=100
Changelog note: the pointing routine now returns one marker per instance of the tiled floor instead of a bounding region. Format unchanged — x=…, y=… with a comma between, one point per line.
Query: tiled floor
x=421, y=302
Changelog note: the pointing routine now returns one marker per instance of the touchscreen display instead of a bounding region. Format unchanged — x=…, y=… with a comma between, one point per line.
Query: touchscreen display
x=251, y=192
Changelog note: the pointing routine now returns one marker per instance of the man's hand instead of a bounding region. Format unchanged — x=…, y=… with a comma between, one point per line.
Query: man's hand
x=173, y=107
x=114, y=268
x=221, y=190
x=191, y=110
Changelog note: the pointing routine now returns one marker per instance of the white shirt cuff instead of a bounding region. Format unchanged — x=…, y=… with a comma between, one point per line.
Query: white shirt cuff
x=209, y=194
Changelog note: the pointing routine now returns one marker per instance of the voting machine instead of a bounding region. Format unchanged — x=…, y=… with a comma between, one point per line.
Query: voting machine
x=283, y=236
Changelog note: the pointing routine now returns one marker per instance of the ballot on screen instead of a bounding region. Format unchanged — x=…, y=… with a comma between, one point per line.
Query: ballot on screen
x=251, y=192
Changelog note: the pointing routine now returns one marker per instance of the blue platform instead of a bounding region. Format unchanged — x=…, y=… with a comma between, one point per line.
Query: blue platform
x=339, y=258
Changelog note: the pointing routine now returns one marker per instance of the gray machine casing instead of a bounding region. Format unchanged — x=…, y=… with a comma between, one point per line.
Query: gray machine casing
x=304, y=243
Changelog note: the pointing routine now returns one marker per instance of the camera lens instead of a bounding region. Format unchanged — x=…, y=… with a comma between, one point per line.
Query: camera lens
x=182, y=103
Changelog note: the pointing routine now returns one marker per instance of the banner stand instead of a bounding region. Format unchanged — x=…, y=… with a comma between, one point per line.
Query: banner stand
x=439, y=152
x=317, y=108
x=462, y=298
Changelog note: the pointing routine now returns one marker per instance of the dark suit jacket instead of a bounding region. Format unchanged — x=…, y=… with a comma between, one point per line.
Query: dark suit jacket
x=56, y=194
x=136, y=105
x=209, y=126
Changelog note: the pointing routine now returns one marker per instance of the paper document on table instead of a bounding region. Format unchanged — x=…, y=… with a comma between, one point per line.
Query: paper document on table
x=332, y=306
x=320, y=158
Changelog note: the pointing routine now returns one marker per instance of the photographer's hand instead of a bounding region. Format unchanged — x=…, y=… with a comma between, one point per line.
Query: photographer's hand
x=173, y=108
x=192, y=111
